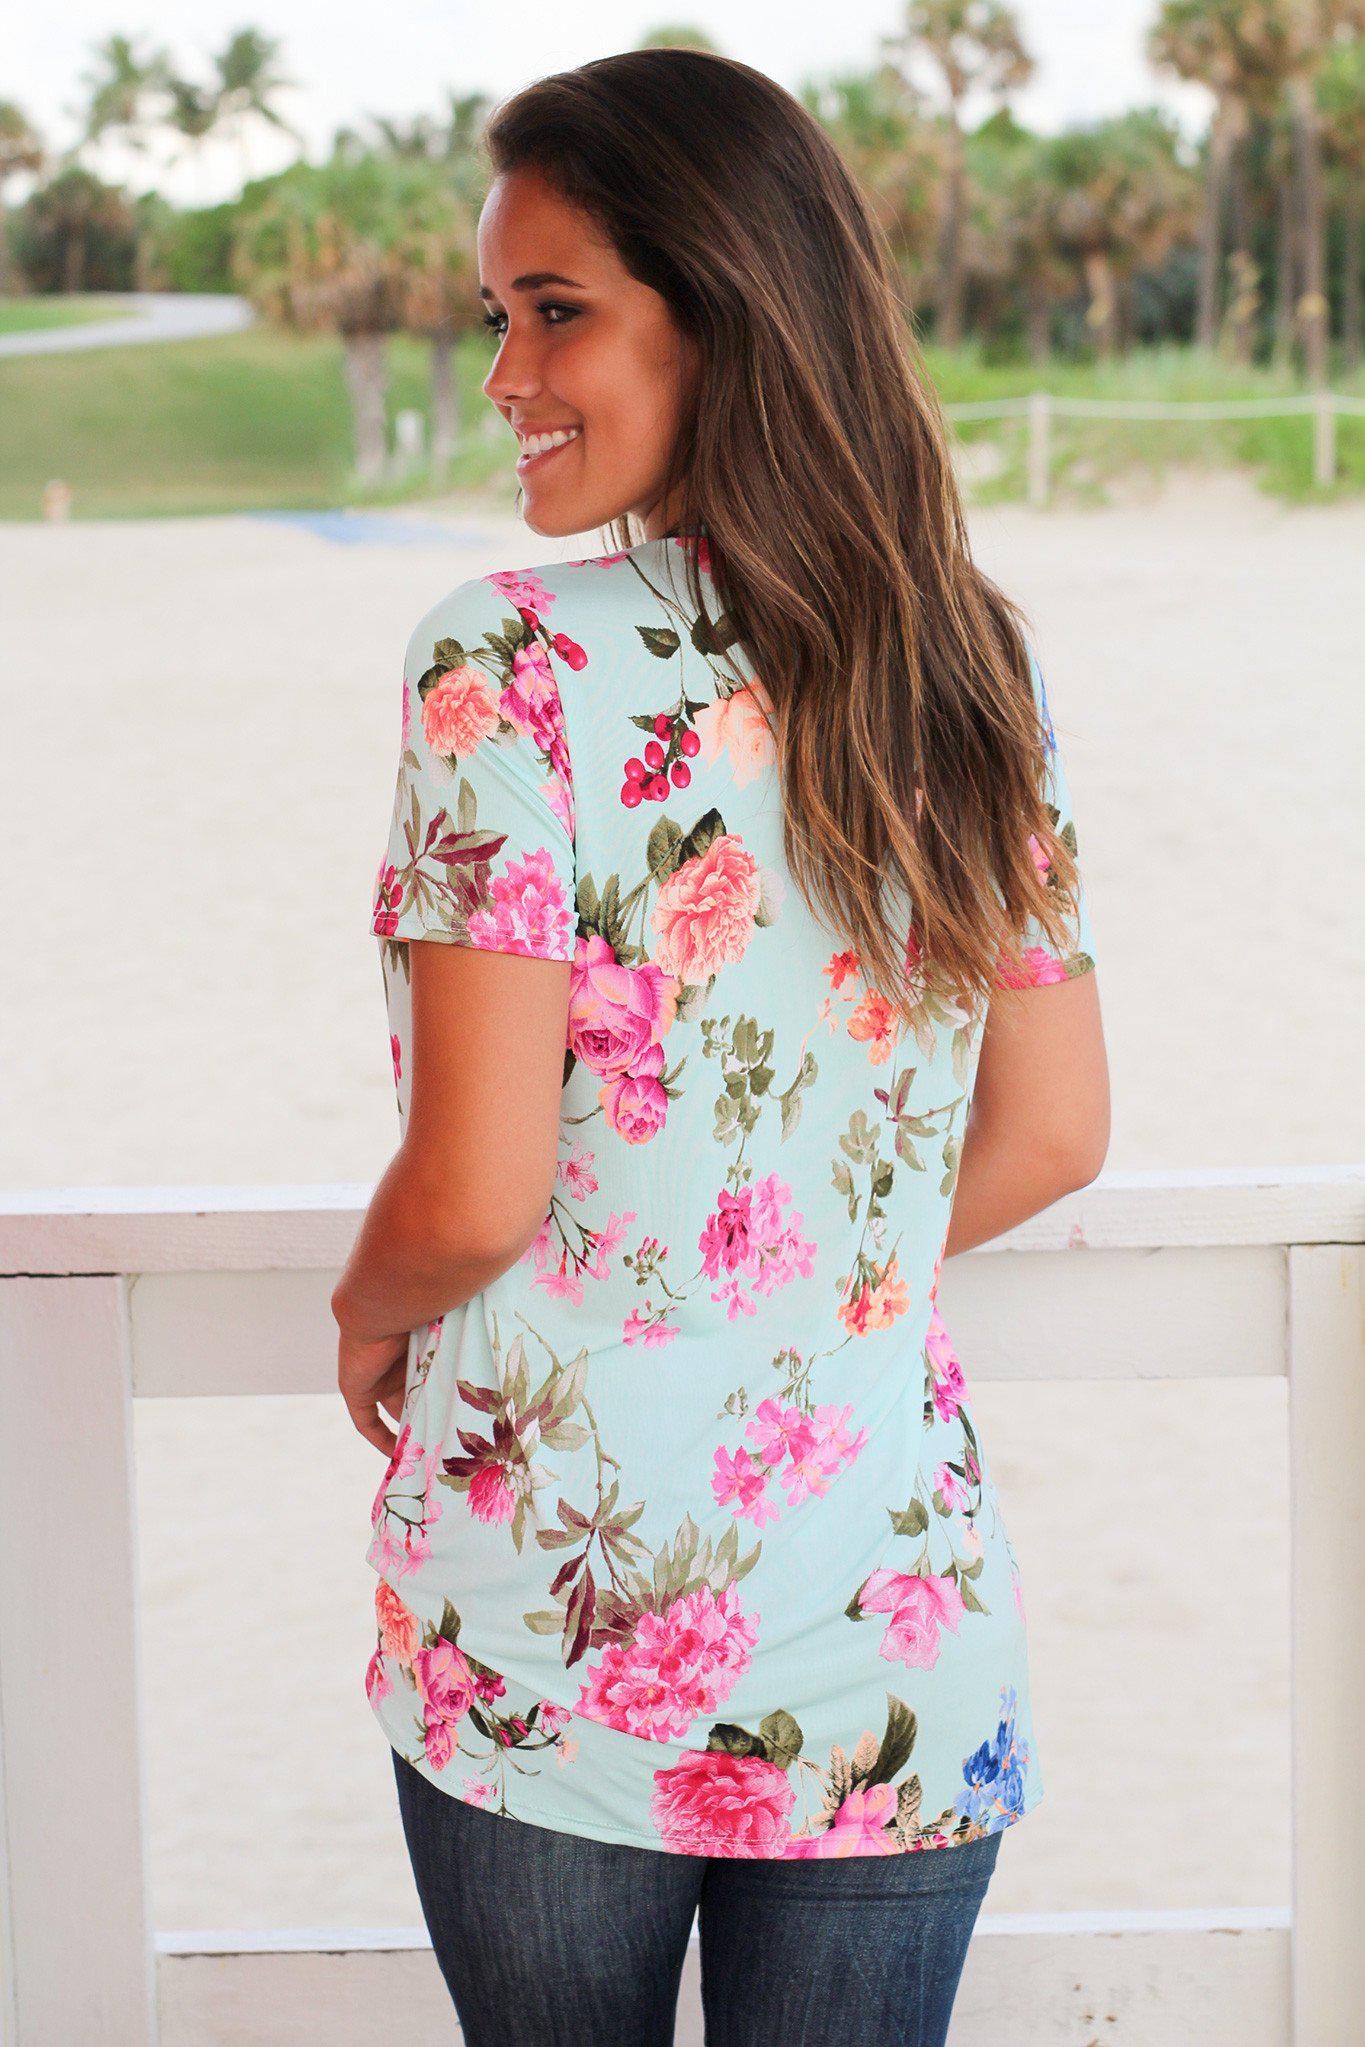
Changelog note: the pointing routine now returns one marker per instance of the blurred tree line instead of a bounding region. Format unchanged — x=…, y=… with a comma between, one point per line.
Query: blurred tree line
x=1110, y=233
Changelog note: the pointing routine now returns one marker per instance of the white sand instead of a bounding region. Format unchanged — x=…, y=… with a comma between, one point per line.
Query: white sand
x=201, y=726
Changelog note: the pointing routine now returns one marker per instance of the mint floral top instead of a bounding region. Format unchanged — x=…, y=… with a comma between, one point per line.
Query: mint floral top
x=689, y=1540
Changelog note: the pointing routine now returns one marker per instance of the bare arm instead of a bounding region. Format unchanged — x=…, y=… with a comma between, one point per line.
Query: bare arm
x=468, y=1188
x=1039, y=1122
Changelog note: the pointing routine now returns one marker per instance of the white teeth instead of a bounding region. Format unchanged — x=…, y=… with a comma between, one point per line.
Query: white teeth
x=536, y=444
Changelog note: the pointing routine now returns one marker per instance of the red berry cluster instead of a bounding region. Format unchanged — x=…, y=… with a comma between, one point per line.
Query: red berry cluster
x=649, y=779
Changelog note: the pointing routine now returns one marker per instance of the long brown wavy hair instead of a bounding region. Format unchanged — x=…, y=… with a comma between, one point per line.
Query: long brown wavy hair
x=814, y=457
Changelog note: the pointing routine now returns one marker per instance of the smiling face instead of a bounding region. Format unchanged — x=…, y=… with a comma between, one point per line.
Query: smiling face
x=584, y=347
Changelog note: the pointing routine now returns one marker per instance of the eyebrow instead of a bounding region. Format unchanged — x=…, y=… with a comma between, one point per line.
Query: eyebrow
x=531, y=280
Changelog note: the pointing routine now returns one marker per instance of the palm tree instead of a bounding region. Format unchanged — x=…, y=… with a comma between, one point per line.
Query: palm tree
x=876, y=122
x=247, y=83
x=193, y=113
x=976, y=46
x=322, y=250
x=127, y=97
x=21, y=149
x=1240, y=53
x=438, y=268
x=1341, y=105
x=1315, y=29
x=1125, y=200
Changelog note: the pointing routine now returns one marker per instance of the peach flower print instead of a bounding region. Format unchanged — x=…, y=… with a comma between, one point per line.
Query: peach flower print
x=459, y=711
x=706, y=910
x=397, y=1625
x=737, y=725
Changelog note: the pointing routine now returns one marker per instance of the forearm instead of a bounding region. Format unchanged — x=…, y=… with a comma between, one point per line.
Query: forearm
x=1003, y=1179
x=402, y=1273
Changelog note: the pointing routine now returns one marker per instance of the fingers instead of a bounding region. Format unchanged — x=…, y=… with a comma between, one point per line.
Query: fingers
x=372, y=1427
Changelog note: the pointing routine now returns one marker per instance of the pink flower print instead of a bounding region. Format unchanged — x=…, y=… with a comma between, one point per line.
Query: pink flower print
x=860, y=1827
x=875, y=1023
x=918, y=1607
x=616, y=1012
x=438, y=1741
x=553, y=1718
x=1040, y=857
x=476, y=1793
x=822, y=1456
x=388, y=901
x=523, y=589
x=531, y=702
x=397, y=1625
x=1041, y=969
x=648, y=1329
x=459, y=712
x=747, y=1236
x=444, y=1681
x=405, y=1459
x=677, y=1664
x=396, y=1054
x=737, y=1480
x=530, y=911
x=713, y=1803
x=569, y=651
x=737, y=726
x=637, y=1103
x=407, y=714
x=1018, y=1592
x=705, y=910
x=562, y=1269
x=949, y=1388
x=378, y=1683
x=951, y=1486
x=575, y=1171
x=492, y=1497
x=779, y=1431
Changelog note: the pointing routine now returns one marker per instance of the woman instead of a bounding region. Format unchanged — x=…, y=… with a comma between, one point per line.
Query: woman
x=691, y=1566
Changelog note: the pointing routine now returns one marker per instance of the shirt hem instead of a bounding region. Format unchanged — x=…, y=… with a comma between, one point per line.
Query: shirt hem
x=621, y=1837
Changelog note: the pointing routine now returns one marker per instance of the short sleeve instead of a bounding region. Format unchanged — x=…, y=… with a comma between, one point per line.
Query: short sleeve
x=481, y=841
x=1043, y=961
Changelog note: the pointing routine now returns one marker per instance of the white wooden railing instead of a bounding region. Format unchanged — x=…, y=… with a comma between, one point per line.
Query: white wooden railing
x=1040, y=408
x=106, y=1294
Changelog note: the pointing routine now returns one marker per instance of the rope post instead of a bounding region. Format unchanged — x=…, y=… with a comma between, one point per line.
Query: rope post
x=1324, y=439
x=1039, y=446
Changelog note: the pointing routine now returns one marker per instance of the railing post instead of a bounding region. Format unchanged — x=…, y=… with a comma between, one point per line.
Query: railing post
x=1039, y=446
x=1324, y=439
x=1327, y=1550
x=76, y=1949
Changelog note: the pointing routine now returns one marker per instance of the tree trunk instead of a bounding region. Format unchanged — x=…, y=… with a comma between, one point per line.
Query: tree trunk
x=445, y=403
x=1350, y=272
x=1243, y=277
x=1211, y=226
x=1038, y=319
x=4, y=250
x=1286, y=263
x=367, y=375
x=73, y=260
x=950, y=246
x=1312, y=305
x=1099, y=315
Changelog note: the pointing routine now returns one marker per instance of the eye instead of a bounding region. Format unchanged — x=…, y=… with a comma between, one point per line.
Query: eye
x=496, y=323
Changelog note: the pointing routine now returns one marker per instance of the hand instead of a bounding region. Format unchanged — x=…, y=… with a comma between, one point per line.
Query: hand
x=371, y=1372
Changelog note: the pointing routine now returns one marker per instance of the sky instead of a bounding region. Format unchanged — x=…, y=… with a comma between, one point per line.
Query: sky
x=399, y=60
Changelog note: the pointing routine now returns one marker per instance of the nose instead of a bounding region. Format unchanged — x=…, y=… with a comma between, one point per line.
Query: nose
x=514, y=374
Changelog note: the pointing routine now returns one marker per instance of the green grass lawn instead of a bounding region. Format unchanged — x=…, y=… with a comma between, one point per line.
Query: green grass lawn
x=25, y=316
x=261, y=420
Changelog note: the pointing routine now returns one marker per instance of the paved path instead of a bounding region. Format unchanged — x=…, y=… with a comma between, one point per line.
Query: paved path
x=143, y=316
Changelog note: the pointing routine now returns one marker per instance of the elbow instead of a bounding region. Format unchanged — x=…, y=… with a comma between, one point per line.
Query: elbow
x=1081, y=1160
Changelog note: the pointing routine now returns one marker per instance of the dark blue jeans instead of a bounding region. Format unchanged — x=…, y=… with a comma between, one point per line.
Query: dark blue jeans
x=552, y=1940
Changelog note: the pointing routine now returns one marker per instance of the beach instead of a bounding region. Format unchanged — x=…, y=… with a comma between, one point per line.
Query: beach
x=202, y=722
